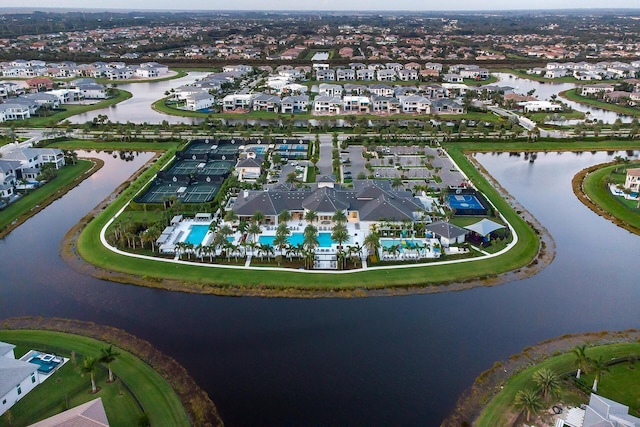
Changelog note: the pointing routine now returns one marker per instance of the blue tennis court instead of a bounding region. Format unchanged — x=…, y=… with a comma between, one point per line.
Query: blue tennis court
x=464, y=201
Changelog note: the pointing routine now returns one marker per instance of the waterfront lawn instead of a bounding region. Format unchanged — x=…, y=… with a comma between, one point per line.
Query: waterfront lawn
x=90, y=248
x=500, y=410
x=572, y=95
x=83, y=144
x=154, y=394
x=68, y=110
x=595, y=187
x=30, y=203
x=621, y=383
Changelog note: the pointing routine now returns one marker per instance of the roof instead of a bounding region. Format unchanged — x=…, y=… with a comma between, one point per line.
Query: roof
x=633, y=172
x=446, y=230
x=90, y=414
x=5, y=347
x=324, y=199
x=484, y=226
x=13, y=372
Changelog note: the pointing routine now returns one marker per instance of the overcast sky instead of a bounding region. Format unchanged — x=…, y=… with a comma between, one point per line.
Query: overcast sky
x=362, y=5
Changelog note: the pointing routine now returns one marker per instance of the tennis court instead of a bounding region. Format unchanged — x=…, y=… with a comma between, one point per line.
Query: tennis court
x=157, y=193
x=199, y=193
x=212, y=167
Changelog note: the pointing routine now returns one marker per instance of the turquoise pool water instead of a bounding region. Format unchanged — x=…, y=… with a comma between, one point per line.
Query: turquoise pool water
x=324, y=239
x=43, y=366
x=404, y=243
x=196, y=234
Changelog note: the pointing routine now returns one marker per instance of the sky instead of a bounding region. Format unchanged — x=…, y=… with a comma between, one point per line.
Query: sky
x=327, y=5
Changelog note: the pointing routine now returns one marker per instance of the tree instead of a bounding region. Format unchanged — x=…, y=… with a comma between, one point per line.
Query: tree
x=547, y=381
x=311, y=216
x=599, y=366
x=108, y=356
x=396, y=182
x=89, y=367
x=372, y=243
x=339, y=216
x=581, y=361
x=230, y=216
x=284, y=216
x=528, y=400
x=257, y=217
x=254, y=230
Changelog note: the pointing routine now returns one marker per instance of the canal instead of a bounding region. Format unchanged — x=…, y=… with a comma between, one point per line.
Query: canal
x=370, y=361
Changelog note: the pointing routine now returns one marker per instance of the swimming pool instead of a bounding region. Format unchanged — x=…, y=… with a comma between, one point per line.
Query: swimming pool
x=196, y=234
x=324, y=239
x=44, y=366
x=404, y=243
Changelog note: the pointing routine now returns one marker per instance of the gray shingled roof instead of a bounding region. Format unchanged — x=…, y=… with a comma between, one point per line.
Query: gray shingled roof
x=5, y=347
x=446, y=230
x=324, y=200
x=13, y=372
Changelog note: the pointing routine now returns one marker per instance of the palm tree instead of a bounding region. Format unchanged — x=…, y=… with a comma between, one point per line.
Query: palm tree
x=340, y=234
x=372, y=243
x=581, y=361
x=547, y=380
x=230, y=216
x=310, y=237
x=254, y=230
x=396, y=182
x=339, y=216
x=311, y=216
x=258, y=217
x=284, y=216
x=528, y=400
x=89, y=367
x=109, y=355
x=599, y=366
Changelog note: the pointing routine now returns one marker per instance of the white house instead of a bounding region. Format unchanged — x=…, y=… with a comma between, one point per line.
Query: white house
x=408, y=74
x=326, y=89
x=17, y=378
x=415, y=104
x=36, y=157
x=448, y=233
x=327, y=105
x=249, y=168
x=237, y=101
x=534, y=106
x=345, y=74
x=294, y=104
x=11, y=111
x=356, y=104
x=199, y=101
x=386, y=75
x=365, y=74
x=632, y=181
x=600, y=412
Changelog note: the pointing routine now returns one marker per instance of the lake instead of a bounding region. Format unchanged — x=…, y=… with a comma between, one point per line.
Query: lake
x=371, y=361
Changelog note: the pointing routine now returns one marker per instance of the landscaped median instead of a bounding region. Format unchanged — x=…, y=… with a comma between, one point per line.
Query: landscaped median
x=148, y=382
x=208, y=278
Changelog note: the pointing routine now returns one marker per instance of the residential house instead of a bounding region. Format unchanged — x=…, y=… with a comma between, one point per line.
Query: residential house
x=40, y=84
x=385, y=104
x=243, y=69
x=632, y=181
x=365, y=74
x=352, y=89
x=147, y=72
x=535, y=106
x=14, y=111
x=407, y=74
x=433, y=66
x=600, y=412
x=325, y=89
x=89, y=414
x=43, y=99
x=237, y=101
x=325, y=75
x=327, y=105
x=264, y=102
x=17, y=378
x=294, y=104
x=452, y=78
x=345, y=74
x=475, y=73
x=595, y=89
x=36, y=157
x=446, y=106
x=386, y=75
x=415, y=104
x=381, y=90
x=356, y=104
x=199, y=101
x=8, y=180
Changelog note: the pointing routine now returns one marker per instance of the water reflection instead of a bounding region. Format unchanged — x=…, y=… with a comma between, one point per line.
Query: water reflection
x=375, y=361
x=544, y=91
x=138, y=108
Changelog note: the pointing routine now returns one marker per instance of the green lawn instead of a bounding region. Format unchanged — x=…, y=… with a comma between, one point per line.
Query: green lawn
x=45, y=194
x=90, y=248
x=500, y=409
x=68, y=110
x=595, y=187
x=157, y=398
x=571, y=95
